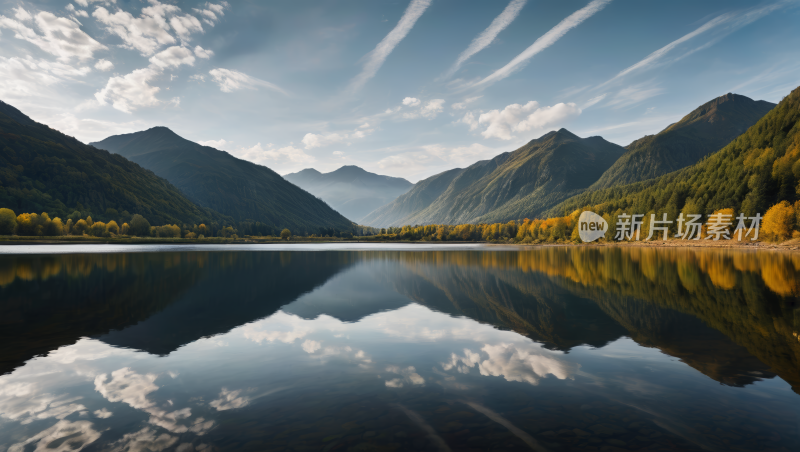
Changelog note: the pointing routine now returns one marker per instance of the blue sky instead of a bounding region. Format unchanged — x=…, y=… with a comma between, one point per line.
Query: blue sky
x=405, y=88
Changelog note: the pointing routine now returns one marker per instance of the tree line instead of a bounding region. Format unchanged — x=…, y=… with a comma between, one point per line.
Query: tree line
x=780, y=223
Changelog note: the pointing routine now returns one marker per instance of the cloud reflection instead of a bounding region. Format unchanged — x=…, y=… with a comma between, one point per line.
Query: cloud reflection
x=64, y=436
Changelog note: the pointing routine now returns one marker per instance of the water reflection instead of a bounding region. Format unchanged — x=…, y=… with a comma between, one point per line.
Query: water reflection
x=546, y=349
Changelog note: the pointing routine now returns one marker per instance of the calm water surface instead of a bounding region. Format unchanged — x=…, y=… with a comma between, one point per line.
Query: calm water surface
x=388, y=349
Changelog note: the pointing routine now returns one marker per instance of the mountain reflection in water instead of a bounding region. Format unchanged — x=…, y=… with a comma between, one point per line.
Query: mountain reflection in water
x=557, y=348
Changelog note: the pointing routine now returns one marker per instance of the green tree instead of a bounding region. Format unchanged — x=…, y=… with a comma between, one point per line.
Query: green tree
x=286, y=234
x=140, y=227
x=8, y=221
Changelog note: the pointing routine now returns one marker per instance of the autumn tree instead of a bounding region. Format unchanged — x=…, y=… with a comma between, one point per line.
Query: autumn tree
x=98, y=229
x=112, y=227
x=125, y=229
x=778, y=221
x=80, y=228
x=8, y=222
x=286, y=234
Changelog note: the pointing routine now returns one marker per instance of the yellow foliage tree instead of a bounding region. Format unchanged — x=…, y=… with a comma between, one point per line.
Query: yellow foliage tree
x=778, y=222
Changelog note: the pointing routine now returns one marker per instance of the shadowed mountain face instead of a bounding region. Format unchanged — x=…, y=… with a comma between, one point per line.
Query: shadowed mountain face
x=514, y=185
x=43, y=170
x=350, y=190
x=220, y=181
x=705, y=130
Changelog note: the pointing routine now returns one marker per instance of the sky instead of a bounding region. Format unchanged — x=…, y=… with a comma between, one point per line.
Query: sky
x=405, y=88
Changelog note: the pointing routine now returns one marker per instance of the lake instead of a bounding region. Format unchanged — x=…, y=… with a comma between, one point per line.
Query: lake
x=391, y=348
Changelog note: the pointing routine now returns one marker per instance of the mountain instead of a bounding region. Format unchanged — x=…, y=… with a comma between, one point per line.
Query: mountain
x=43, y=170
x=703, y=131
x=513, y=185
x=220, y=181
x=422, y=195
x=758, y=169
x=350, y=190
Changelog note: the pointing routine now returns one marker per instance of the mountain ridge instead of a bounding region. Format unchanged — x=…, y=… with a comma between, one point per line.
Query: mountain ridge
x=218, y=180
x=351, y=190
x=706, y=129
x=44, y=170
x=511, y=185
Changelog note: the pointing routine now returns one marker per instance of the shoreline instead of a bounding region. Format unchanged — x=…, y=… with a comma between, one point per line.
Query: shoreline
x=791, y=245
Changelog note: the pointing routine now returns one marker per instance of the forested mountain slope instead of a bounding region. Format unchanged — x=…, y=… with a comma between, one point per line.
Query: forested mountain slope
x=757, y=170
x=513, y=185
x=703, y=131
x=351, y=190
x=43, y=170
x=222, y=182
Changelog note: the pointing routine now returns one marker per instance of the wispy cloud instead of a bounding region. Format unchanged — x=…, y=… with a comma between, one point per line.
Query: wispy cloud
x=545, y=41
x=727, y=23
x=634, y=94
x=230, y=81
x=488, y=35
x=658, y=54
x=375, y=59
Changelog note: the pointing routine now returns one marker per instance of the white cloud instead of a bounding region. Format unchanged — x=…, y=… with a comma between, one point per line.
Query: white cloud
x=521, y=118
x=432, y=108
x=469, y=119
x=59, y=36
x=338, y=154
x=287, y=154
x=185, y=25
x=151, y=29
x=173, y=57
x=313, y=140
x=375, y=59
x=104, y=65
x=488, y=35
x=134, y=90
x=461, y=155
x=211, y=13
x=230, y=81
x=26, y=76
x=198, y=78
x=217, y=144
x=203, y=53
x=229, y=400
x=463, y=105
x=411, y=101
x=130, y=91
x=21, y=14
x=546, y=40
